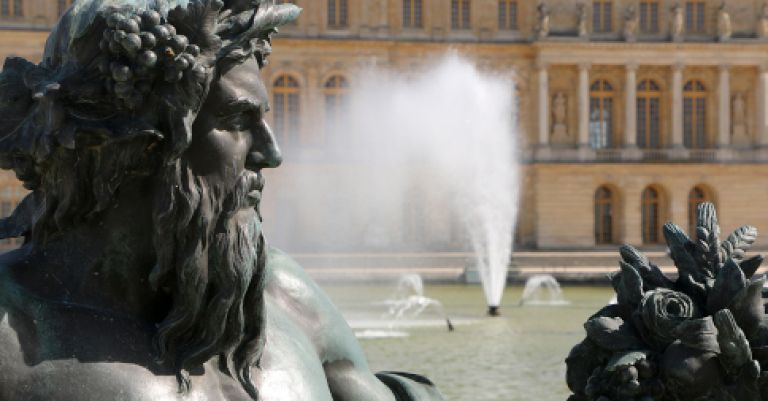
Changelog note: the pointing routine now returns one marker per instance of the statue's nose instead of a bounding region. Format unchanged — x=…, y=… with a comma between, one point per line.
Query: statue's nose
x=265, y=152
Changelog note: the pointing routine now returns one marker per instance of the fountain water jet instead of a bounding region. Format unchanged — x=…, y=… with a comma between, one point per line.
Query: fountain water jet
x=423, y=155
x=542, y=289
x=409, y=300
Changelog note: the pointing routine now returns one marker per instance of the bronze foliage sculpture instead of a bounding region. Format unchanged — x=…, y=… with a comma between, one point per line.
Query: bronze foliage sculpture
x=144, y=273
x=703, y=336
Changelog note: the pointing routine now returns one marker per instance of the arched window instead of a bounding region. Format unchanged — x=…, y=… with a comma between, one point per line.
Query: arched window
x=601, y=115
x=602, y=15
x=285, y=108
x=460, y=14
x=11, y=8
x=697, y=196
x=649, y=16
x=604, y=212
x=651, y=215
x=507, y=15
x=694, y=115
x=694, y=16
x=648, y=115
x=412, y=14
x=337, y=13
x=335, y=91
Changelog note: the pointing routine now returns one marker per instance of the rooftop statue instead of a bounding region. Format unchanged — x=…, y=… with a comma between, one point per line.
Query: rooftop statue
x=703, y=336
x=144, y=274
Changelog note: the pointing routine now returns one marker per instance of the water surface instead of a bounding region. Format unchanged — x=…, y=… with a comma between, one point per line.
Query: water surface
x=516, y=357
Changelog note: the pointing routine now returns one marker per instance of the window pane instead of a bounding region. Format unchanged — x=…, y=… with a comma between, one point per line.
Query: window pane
x=332, y=13
x=416, y=13
x=701, y=131
x=465, y=14
x=455, y=14
x=278, y=113
x=596, y=20
x=700, y=17
x=512, y=15
x=407, y=13
x=607, y=126
x=654, y=131
x=689, y=17
x=503, y=14
x=342, y=12
x=642, y=129
x=688, y=122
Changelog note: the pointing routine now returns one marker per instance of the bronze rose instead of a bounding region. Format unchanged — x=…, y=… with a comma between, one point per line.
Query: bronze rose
x=663, y=310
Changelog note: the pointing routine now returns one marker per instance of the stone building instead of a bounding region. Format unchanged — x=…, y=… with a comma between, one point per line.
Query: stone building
x=631, y=111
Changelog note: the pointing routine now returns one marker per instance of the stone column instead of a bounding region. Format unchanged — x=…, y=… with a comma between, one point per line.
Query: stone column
x=630, y=214
x=677, y=106
x=543, y=104
x=630, y=103
x=724, y=107
x=762, y=107
x=583, y=102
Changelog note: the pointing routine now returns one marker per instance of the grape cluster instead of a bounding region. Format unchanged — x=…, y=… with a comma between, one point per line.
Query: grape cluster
x=637, y=382
x=139, y=49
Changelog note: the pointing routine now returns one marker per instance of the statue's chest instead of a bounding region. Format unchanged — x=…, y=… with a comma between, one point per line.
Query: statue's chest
x=98, y=366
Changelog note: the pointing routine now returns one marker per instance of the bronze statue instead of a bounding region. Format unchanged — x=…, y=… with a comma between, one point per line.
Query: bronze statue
x=144, y=274
x=702, y=336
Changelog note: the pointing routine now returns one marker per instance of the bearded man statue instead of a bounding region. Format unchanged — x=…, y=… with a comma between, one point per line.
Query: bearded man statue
x=144, y=274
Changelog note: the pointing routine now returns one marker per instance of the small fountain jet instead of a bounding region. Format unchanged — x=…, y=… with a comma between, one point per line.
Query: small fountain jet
x=542, y=289
x=409, y=300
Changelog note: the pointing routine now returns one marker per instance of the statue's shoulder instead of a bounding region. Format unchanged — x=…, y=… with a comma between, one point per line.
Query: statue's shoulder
x=287, y=280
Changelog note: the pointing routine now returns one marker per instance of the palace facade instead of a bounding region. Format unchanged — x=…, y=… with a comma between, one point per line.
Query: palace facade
x=631, y=112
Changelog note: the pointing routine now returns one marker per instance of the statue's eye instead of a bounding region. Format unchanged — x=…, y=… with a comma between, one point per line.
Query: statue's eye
x=237, y=121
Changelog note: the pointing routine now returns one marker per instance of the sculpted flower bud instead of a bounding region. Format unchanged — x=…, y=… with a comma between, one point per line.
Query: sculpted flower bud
x=662, y=310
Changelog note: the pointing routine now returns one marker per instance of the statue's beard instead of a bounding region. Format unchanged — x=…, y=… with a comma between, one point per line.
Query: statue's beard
x=211, y=258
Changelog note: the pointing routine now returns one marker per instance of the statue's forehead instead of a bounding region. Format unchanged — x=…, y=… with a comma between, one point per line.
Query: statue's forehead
x=241, y=82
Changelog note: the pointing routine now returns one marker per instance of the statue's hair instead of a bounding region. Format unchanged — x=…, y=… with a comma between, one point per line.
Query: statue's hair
x=73, y=128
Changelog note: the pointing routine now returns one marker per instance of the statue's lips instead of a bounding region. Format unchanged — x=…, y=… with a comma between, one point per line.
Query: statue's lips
x=255, y=183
